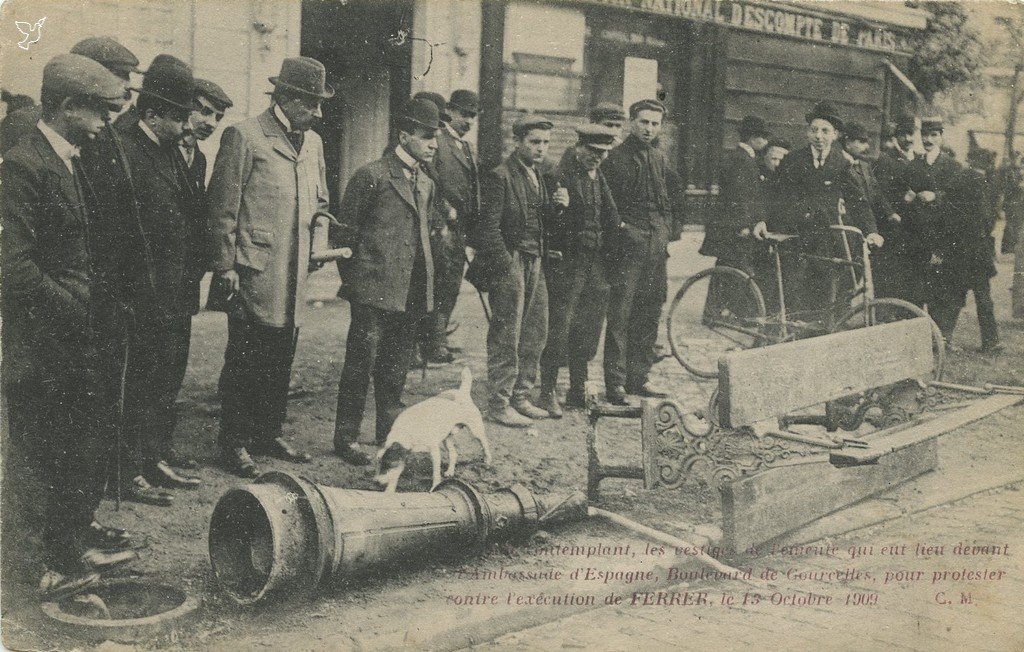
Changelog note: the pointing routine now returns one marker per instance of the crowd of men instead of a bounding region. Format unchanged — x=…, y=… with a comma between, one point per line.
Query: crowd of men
x=109, y=226
x=928, y=220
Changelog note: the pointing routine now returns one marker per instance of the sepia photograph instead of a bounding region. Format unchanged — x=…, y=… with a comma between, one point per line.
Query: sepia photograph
x=512, y=325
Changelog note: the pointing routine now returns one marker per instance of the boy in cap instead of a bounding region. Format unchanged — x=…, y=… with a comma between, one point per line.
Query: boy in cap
x=772, y=156
x=209, y=105
x=261, y=247
x=804, y=200
x=574, y=269
x=50, y=350
x=741, y=205
x=385, y=218
x=638, y=175
x=508, y=238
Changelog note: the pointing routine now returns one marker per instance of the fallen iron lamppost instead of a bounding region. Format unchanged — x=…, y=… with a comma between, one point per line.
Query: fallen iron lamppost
x=283, y=535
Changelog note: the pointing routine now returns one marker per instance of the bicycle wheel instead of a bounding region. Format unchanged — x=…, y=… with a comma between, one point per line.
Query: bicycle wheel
x=716, y=311
x=888, y=309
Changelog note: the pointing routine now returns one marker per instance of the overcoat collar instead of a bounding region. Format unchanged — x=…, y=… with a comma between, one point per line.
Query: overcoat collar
x=56, y=165
x=273, y=130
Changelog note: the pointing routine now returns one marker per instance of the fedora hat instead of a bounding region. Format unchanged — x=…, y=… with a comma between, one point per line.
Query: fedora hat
x=825, y=111
x=304, y=75
x=169, y=79
x=421, y=112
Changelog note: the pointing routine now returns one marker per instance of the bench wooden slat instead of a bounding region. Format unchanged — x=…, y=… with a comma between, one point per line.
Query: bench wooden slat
x=766, y=383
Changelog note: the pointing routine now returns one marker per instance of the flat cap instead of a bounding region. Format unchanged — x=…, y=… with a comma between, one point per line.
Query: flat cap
x=438, y=100
x=855, y=131
x=607, y=111
x=931, y=124
x=524, y=124
x=751, y=126
x=211, y=91
x=597, y=136
x=646, y=105
x=72, y=75
x=825, y=111
x=109, y=53
x=465, y=100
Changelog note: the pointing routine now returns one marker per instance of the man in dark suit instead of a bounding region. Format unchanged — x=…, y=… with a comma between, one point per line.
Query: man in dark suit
x=208, y=110
x=385, y=218
x=170, y=209
x=966, y=254
x=51, y=375
x=805, y=201
x=741, y=205
x=454, y=170
x=509, y=242
x=638, y=175
x=573, y=267
x=899, y=266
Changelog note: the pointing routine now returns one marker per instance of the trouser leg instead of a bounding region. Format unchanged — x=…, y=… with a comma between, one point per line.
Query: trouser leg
x=279, y=352
x=533, y=334
x=986, y=312
x=563, y=293
x=506, y=299
x=365, y=334
x=625, y=284
x=644, y=320
x=391, y=368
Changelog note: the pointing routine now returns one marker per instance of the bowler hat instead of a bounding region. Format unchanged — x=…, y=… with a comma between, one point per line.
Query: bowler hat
x=524, y=124
x=781, y=143
x=597, y=136
x=109, y=53
x=465, y=100
x=825, y=111
x=421, y=112
x=607, y=111
x=855, y=131
x=169, y=79
x=931, y=124
x=304, y=75
x=438, y=100
x=73, y=75
x=907, y=124
x=211, y=91
x=646, y=105
x=752, y=126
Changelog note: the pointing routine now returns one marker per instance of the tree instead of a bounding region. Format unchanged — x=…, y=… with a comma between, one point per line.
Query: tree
x=947, y=53
x=1013, y=58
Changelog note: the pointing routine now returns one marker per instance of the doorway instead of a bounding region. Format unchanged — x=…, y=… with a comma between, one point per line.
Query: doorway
x=368, y=63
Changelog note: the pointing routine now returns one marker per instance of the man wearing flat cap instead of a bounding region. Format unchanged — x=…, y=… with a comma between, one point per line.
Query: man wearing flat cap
x=804, y=200
x=516, y=200
x=103, y=50
x=385, y=218
x=639, y=178
x=269, y=182
x=574, y=267
x=209, y=105
x=741, y=205
x=51, y=368
x=454, y=170
x=169, y=208
x=856, y=142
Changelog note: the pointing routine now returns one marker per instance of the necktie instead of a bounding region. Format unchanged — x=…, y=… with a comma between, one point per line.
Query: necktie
x=295, y=138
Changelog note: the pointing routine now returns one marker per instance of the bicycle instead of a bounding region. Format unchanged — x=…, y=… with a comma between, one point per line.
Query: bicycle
x=722, y=309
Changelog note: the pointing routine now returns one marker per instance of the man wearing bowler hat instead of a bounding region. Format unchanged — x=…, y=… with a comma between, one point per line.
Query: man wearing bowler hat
x=268, y=183
x=173, y=224
x=805, y=201
x=385, y=218
x=51, y=372
x=574, y=268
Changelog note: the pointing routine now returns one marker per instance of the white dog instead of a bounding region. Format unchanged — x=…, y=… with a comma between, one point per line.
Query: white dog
x=425, y=427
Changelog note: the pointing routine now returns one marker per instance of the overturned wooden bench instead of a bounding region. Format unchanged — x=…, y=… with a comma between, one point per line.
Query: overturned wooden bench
x=772, y=480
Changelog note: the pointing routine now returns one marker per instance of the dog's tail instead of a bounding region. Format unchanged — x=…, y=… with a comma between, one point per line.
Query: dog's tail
x=467, y=381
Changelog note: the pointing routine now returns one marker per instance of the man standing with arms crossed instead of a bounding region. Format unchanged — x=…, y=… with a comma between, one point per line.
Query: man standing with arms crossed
x=637, y=173
x=269, y=181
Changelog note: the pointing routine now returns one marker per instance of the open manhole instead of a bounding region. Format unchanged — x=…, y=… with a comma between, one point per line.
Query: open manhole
x=126, y=609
